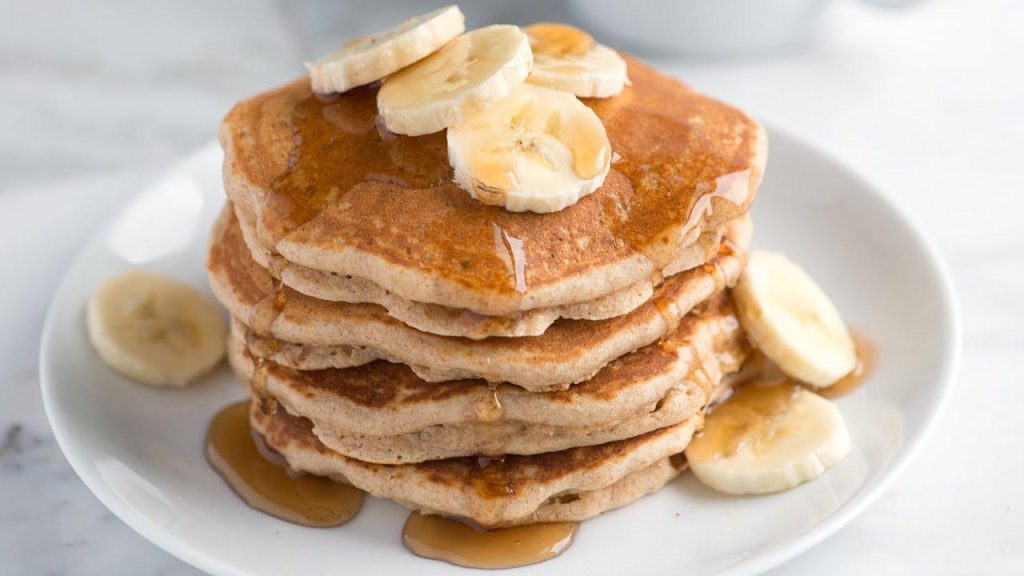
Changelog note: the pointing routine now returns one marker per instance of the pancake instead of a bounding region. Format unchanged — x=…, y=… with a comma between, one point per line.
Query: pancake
x=497, y=439
x=383, y=413
x=504, y=436
x=386, y=399
x=446, y=321
x=578, y=506
x=332, y=191
x=490, y=492
x=295, y=330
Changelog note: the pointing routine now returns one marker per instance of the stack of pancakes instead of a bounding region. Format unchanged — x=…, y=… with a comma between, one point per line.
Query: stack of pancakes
x=461, y=359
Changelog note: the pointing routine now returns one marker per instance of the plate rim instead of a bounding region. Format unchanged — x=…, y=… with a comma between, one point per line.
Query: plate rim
x=949, y=369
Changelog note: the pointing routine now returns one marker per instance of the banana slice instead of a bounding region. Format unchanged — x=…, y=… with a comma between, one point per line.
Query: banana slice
x=768, y=438
x=467, y=75
x=154, y=329
x=567, y=58
x=370, y=58
x=537, y=150
x=789, y=318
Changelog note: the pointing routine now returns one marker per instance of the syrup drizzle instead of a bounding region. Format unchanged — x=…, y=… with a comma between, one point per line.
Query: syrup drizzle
x=491, y=409
x=669, y=311
x=262, y=479
x=867, y=357
x=493, y=479
x=510, y=250
x=265, y=312
x=455, y=542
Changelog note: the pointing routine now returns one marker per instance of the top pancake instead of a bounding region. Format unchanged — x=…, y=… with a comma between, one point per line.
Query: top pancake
x=333, y=191
x=446, y=321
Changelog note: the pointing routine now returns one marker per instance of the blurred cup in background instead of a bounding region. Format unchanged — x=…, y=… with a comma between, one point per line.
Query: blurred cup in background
x=704, y=27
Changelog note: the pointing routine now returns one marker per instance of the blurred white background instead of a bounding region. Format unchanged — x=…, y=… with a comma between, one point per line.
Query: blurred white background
x=927, y=100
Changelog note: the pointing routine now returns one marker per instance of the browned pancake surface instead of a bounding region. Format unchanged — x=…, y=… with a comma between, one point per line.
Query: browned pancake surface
x=327, y=178
x=488, y=477
x=381, y=384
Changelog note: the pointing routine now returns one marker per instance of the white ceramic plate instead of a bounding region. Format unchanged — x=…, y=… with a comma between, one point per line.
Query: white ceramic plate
x=140, y=450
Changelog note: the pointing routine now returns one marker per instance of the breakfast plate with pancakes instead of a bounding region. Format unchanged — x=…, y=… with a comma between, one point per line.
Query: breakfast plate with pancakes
x=520, y=287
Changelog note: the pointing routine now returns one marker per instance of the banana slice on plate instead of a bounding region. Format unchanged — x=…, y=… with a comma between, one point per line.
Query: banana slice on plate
x=468, y=74
x=768, y=438
x=789, y=318
x=567, y=58
x=536, y=150
x=370, y=58
x=154, y=329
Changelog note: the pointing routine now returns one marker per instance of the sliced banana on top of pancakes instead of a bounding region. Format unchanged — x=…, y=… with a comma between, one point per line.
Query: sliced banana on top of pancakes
x=567, y=58
x=538, y=149
x=367, y=59
x=527, y=147
x=464, y=77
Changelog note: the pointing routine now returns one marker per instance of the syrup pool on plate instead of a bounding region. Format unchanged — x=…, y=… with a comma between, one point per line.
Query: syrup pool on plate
x=458, y=543
x=263, y=480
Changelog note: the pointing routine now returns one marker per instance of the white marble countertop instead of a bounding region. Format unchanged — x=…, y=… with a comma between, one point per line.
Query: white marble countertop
x=928, y=102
